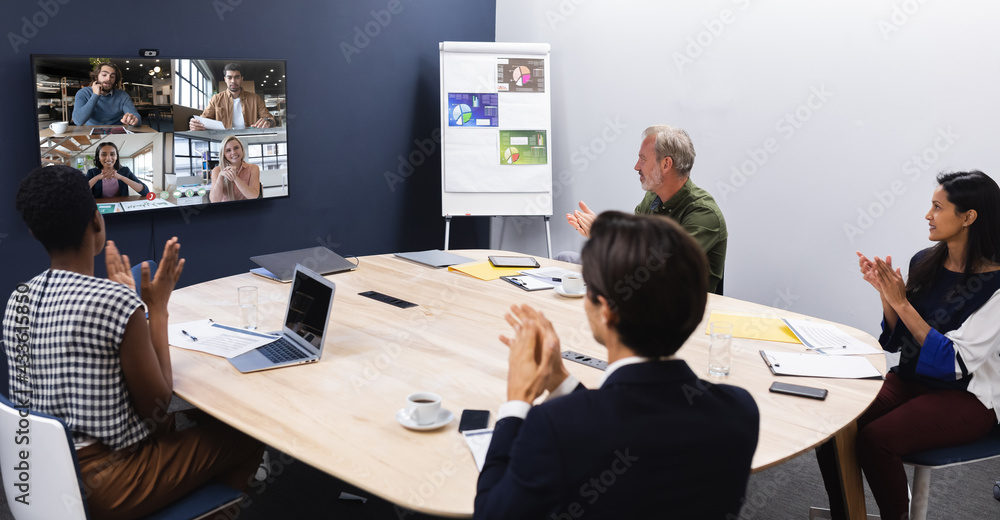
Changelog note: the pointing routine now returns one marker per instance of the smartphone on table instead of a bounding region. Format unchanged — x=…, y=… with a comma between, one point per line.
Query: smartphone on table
x=474, y=420
x=798, y=390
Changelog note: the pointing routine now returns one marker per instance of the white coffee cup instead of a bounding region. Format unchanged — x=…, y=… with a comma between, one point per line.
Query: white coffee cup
x=59, y=127
x=572, y=283
x=423, y=407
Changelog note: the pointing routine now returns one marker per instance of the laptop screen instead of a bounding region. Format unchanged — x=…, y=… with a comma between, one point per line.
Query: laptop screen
x=308, y=309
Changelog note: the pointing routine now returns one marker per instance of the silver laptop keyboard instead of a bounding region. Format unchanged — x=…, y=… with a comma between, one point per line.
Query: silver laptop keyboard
x=281, y=350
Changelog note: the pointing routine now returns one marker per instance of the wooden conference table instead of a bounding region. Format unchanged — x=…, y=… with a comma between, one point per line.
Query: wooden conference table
x=338, y=415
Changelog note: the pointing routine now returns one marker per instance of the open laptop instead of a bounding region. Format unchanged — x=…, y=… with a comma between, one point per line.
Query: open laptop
x=281, y=266
x=304, y=331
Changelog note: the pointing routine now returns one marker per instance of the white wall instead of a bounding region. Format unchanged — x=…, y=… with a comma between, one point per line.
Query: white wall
x=897, y=76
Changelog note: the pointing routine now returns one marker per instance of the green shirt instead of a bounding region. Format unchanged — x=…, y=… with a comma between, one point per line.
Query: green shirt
x=696, y=211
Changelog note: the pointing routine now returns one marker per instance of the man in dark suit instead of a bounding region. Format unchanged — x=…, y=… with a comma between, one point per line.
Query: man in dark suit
x=653, y=441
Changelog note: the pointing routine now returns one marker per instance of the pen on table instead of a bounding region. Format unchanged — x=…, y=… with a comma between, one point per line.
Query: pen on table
x=188, y=334
x=768, y=359
x=827, y=348
x=552, y=278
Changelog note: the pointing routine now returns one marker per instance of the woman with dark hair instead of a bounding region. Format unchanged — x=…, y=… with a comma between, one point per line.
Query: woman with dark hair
x=99, y=359
x=109, y=178
x=945, y=323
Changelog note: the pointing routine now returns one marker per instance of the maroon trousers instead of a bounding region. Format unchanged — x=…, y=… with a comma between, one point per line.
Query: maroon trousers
x=905, y=418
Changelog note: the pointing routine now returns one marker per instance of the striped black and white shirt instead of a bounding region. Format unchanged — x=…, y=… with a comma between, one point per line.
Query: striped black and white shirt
x=70, y=367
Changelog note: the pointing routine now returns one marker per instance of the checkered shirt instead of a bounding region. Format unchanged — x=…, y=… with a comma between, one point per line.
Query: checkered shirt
x=73, y=369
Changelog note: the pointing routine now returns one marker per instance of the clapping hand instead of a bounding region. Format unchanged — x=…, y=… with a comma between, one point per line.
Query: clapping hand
x=891, y=285
x=582, y=219
x=535, y=361
x=868, y=269
x=156, y=292
x=118, y=266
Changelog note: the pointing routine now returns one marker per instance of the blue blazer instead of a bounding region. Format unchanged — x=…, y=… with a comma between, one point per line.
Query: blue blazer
x=98, y=189
x=653, y=442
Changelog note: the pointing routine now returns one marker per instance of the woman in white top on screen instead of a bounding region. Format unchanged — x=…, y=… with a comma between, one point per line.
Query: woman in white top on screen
x=234, y=179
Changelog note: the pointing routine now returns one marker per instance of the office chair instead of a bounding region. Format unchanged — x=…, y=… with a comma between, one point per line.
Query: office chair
x=44, y=472
x=923, y=462
x=137, y=274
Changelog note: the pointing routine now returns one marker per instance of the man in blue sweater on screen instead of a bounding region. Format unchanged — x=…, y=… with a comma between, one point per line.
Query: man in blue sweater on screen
x=653, y=441
x=104, y=102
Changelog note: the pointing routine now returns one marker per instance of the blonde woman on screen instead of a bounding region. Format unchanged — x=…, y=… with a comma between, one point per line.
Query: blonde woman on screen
x=234, y=179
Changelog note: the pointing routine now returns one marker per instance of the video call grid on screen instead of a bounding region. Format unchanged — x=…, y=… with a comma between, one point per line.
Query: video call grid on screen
x=162, y=153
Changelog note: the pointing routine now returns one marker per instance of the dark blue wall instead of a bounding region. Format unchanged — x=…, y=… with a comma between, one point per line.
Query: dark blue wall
x=349, y=122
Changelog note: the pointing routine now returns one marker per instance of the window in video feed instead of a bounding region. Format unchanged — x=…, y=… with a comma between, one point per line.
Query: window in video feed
x=167, y=132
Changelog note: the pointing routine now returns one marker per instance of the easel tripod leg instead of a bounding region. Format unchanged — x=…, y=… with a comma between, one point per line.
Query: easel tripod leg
x=447, y=231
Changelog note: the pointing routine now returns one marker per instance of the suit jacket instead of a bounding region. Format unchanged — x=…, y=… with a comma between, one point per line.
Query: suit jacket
x=653, y=442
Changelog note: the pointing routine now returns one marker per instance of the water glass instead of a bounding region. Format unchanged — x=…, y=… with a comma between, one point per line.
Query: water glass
x=248, y=307
x=720, y=351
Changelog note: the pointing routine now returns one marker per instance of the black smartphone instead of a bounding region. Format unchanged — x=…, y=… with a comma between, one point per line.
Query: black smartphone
x=474, y=420
x=513, y=261
x=799, y=390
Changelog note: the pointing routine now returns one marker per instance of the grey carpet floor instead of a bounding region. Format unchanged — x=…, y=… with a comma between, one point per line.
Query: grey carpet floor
x=297, y=490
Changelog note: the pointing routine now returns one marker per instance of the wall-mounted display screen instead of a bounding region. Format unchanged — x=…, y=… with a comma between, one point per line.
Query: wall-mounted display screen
x=157, y=133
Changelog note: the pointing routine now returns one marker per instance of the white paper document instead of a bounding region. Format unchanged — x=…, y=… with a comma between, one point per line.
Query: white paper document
x=210, y=124
x=479, y=443
x=811, y=364
x=212, y=338
x=827, y=338
x=554, y=274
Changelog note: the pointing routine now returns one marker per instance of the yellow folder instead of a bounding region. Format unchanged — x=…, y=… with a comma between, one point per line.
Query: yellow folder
x=485, y=270
x=752, y=327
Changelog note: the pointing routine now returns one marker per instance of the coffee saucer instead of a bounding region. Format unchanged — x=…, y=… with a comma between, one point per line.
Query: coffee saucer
x=444, y=417
x=562, y=292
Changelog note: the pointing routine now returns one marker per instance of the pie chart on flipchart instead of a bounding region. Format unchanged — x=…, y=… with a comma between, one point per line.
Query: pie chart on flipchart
x=522, y=76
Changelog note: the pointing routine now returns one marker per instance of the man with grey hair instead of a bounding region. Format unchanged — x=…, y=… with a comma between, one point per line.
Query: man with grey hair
x=666, y=156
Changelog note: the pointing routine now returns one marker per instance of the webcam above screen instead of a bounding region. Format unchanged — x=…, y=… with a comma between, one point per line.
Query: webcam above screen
x=160, y=133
